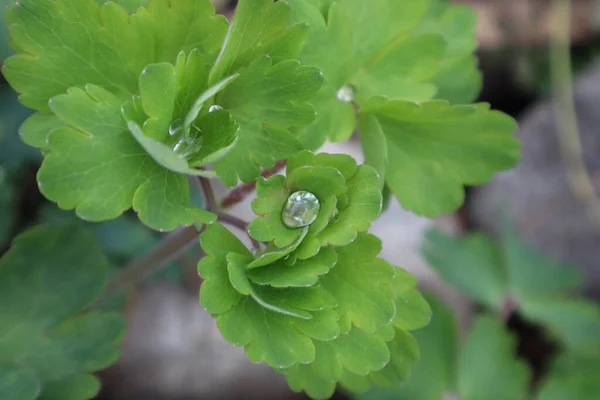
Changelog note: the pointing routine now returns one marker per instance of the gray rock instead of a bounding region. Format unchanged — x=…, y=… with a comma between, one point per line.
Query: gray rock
x=536, y=194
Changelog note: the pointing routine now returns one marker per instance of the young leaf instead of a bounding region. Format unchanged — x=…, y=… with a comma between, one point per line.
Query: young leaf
x=301, y=273
x=434, y=149
x=178, y=144
x=53, y=346
x=487, y=364
x=96, y=167
x=348, y=201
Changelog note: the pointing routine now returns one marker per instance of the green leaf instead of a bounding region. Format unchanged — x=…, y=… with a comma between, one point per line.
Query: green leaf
x=271, y=196
x=533, y=275
x=14, y=154
x=487, y=364
x=178, y=143
x=267, y=100
x=405, y=71
x=217, y=295
x=362, y=285
x=67, y=43
x=367, y=59
x=303, y=273
x=36, y=128
x=54, y=345
x=433, y=375
x=321, y=319
x=574, y=322
x=412, y=310
x=17, y=383
x=474, y=264
x=355, y=351
x=572, y=377
x=278, y=324
x=404, y=352
x=267, y=336
x=434, y=149
x=259, y=27
x=347, y=193
x=374, y=146
x=492, y=273
x=96, y=155
x=458, y=80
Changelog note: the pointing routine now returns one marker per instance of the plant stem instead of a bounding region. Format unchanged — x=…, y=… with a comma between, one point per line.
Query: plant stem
x=170, y=248
x=176, y=242
x=209, y=195
x=566, y=116
x=241, y=192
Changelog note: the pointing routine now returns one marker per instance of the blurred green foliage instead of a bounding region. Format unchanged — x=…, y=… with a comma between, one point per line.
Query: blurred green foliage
x=506, y=277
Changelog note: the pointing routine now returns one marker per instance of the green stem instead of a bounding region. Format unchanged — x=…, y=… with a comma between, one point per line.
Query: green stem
x=566, y=116
x=169, y=249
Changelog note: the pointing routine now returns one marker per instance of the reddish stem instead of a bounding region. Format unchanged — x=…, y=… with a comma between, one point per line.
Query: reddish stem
x=241, y=192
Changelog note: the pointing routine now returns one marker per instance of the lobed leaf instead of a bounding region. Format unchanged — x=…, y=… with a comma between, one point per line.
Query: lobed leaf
x=362, y=285
x=97, y=168
x=52, y=345
x=68, y=43
x=434, y=149
x=487, y=364
x=267, y=100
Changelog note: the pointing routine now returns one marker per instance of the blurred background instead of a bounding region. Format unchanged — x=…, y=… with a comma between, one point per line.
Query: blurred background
x=173, y=349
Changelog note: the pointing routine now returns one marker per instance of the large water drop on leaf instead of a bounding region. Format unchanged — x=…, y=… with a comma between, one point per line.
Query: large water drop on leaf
x=346, y=94
x=301, y=209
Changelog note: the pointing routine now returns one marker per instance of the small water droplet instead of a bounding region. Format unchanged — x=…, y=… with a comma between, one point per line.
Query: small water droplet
x=346, y=94
x=301, y=209
x=176, y=127
x=214, y=108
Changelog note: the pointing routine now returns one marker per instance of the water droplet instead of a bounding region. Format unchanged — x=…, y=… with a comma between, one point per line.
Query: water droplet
x=301, y=209
x=176, y=127
x=346, y=94
x=214, y=108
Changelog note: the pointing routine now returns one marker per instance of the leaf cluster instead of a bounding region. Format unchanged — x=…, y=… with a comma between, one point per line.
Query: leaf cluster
x=132, y=96
x=315, y=303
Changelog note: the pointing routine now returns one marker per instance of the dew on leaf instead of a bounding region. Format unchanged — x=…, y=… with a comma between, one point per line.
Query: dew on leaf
x=214, y=108
x=301, y=209
x=176, y=127
x=346, y=94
